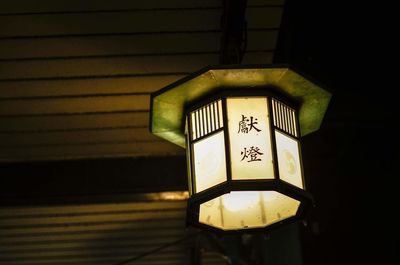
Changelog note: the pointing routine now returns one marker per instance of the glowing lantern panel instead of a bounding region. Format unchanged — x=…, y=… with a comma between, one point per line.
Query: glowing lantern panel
x=249, y=137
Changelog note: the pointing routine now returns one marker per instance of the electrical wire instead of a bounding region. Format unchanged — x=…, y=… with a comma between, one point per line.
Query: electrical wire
x=159, y=248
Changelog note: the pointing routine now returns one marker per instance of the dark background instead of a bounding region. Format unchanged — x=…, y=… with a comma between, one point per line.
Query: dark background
x=351, y=163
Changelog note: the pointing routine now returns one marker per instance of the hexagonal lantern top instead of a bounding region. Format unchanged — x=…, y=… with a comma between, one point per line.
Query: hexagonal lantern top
x=241, y=128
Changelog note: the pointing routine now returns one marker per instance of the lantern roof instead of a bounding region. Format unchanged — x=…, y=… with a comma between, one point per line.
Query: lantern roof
x=168, y=105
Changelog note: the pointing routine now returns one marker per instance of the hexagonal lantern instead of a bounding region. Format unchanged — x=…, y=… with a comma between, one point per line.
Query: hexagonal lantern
x=241, y=128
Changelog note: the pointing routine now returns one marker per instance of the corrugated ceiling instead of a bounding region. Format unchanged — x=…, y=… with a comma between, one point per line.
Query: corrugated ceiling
x=98, y=234
x=75, y=77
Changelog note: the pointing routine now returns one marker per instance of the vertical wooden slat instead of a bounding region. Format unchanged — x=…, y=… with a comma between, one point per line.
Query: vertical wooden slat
x=290, y=120
x=220, y=116
x=274, y=112
x=193, y=126
x=212, y=113
x=203, y=121
x=295, y=123
x=286, y=118
x=207, y=112
x=278, y=114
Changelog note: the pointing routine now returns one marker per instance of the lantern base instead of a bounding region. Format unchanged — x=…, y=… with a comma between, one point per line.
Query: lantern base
x=242, y=207
x=247, y=209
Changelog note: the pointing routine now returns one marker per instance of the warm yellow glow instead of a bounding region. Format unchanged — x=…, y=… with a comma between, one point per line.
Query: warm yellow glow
x=162, y=196
x=236, y=201
x=173, y=195
x=288, y=159
x=247, y=209
x=209, y=161
x=249, y=136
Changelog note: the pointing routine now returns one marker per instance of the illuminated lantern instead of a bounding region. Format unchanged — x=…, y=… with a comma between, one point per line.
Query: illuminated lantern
x=241, y=129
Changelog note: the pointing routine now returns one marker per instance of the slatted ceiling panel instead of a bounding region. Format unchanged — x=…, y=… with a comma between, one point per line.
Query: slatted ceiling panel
x=74, y=105
x=77, y=137
x=108, y=261
x=85, y=86
x=106, y=104
x=90, y=227
x=74, y=240
x=128, y=245
x=101, y=252
x=101, y=255
x=62, y=242
x=78, y=218
x=102, y=24
x=124, y=44
x=74, y=244
x=138, y=21
x=98, y=67
x=105, y=258
x=94, y=24
x=180, y=255
x=76, y=82
x=113, y=149
x=69, y=122
x=43, y=6
x=104, y=66
x=96, y=234
x=88, y=234
x=78, y=46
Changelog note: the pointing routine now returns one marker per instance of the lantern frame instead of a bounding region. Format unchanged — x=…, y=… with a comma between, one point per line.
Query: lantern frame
x=276, y=184
x=194, y=202
x=171, y=105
